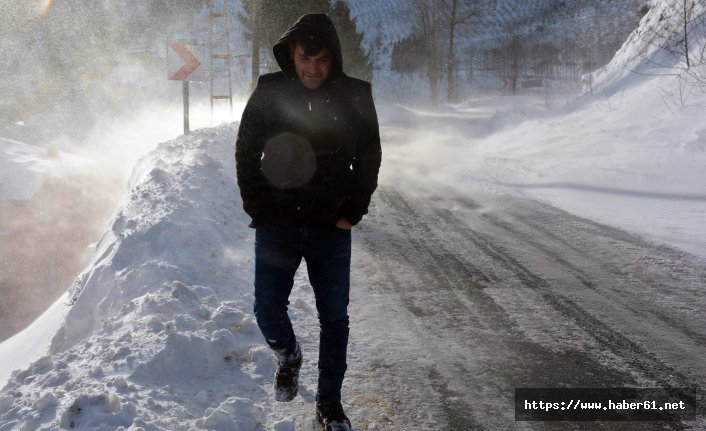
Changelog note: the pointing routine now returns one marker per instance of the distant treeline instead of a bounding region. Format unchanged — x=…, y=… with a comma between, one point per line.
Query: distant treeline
x=553, y=39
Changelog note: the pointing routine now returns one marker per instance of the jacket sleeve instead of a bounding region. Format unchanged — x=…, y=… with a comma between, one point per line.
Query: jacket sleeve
x=368, y=156
x=254, y=187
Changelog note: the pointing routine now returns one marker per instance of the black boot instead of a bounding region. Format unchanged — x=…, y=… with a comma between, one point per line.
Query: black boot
x=287, y=378
x=331, y=416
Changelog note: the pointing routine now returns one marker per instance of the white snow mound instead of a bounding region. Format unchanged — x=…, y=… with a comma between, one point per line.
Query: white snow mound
x=160, y=335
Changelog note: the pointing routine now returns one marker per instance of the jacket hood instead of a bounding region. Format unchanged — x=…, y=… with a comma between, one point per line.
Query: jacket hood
x=317, y=28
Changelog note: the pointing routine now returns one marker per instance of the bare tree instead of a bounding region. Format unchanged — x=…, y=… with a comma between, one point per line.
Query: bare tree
x=511, y=55
x=680, y=30
x=674, y=31
x=251, y=23
x=514, y=53
x=459, y=14
x=429, y=19
x=686, y=10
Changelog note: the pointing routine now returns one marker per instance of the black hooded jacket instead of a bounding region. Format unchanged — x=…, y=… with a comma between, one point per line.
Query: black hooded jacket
x=308, y=155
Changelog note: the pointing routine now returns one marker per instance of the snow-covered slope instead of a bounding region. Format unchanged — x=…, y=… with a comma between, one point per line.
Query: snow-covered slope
x=632, y=154
x=160, y=335
x=655, y=50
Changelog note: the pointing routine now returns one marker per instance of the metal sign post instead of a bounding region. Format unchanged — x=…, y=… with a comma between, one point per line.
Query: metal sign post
x=191, y=63
x=185, y=93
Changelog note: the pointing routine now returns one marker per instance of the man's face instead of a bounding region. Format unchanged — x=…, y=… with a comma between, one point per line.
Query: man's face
x=312, y=70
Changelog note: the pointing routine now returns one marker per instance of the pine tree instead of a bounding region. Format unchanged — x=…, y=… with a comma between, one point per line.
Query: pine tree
x=266, y=20
x=275, y=17
x=409, y=54
x=356, y=62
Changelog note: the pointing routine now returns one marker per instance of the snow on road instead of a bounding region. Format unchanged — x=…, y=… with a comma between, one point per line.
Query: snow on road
x=464, y=286
x=462, y=291
x=496, y=293
x=457, y=299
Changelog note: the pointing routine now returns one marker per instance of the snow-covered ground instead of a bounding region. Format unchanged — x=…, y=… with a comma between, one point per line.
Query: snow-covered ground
x=623, y=160
x=161, y=333
x=167, y=297
x=632, y=154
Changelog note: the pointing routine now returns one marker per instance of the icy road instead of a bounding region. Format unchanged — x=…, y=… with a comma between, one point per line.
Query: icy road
x=461, y=296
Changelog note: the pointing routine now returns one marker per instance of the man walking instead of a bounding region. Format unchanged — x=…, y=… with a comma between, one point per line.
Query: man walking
x=307, y=158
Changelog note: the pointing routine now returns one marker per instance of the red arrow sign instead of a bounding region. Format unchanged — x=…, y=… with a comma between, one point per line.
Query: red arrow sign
x=192, y=63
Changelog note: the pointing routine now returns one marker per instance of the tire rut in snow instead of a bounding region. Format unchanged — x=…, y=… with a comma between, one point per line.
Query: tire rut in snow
x=634, y=355
x=619, y=344
x=628, y=261
x=490, y=355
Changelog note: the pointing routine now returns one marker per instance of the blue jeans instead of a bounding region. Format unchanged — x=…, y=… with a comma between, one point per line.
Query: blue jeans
x=279, y=249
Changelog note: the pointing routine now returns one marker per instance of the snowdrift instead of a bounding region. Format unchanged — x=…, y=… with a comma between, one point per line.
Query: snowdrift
x=159, y=333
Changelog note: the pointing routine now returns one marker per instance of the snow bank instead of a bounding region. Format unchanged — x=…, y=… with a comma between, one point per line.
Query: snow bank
x=160, y=334
x=32, y=342
x=631, y=155
x=652, y=48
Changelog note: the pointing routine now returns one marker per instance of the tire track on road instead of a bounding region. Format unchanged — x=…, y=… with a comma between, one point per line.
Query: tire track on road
x=491, y=354
x=613, y=341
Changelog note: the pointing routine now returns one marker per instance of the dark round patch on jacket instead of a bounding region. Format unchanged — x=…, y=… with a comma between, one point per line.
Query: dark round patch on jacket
x=288, y=161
